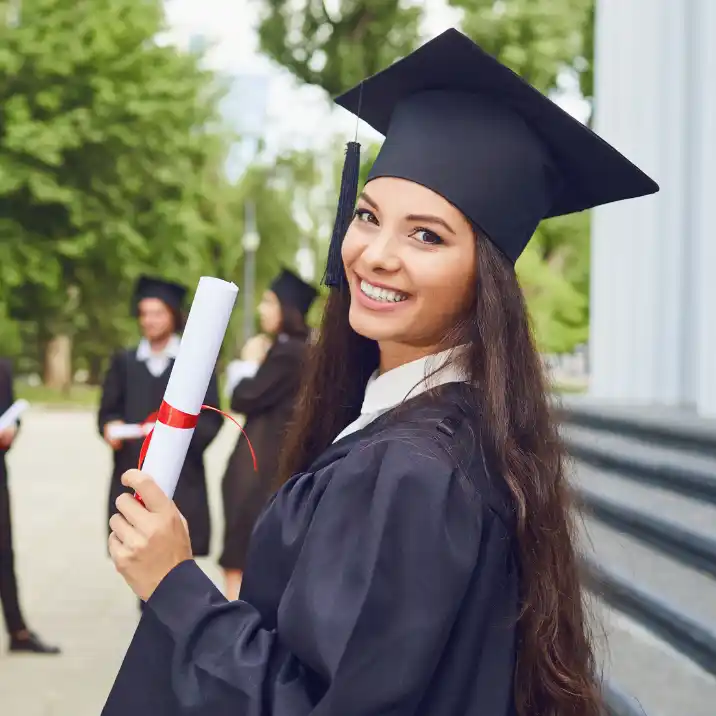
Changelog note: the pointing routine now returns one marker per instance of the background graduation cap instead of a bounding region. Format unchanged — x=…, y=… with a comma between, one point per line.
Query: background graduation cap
x=464, y=125
x=293, y=291
x=172, y=294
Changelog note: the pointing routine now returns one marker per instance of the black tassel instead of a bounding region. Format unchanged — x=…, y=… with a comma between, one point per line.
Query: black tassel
x=335, y=276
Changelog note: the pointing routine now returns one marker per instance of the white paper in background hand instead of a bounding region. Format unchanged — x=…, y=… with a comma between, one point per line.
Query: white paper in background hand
x=10, y=417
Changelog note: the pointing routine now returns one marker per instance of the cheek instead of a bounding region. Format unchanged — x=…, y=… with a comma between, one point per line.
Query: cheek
x=447, y=286
x=352, y=246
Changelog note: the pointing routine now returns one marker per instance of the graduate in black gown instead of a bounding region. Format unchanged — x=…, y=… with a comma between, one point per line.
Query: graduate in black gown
x=22, y=639
x=133, y=389
x=263, y=388
x=419, y=559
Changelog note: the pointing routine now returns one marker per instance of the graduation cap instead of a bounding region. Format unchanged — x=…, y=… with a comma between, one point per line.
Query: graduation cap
x=465, y=126
x=293, y=291
x=151, y=287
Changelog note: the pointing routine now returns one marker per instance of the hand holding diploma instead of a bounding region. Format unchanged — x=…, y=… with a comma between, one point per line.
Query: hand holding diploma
x=147, y=540
x=7, y=436
x=8, y=423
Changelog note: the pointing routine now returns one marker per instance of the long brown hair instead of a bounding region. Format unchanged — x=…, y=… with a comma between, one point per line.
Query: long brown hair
x=555, y=673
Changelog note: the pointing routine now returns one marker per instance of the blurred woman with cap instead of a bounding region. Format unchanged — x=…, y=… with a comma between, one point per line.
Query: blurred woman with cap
x=133, y=389
x=263, y=387
x=419, y=558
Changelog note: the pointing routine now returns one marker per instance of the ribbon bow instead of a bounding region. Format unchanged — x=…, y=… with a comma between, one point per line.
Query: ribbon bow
x=174, y=418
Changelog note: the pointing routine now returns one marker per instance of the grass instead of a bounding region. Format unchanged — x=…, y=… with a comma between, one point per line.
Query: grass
x=563, y=387
x=78, y=396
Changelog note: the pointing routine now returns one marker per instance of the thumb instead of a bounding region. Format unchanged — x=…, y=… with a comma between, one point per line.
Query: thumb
x=152, y=495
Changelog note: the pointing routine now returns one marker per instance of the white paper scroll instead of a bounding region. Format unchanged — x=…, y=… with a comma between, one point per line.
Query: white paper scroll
x=190, y=376
x=128, y=431
x=10, y=417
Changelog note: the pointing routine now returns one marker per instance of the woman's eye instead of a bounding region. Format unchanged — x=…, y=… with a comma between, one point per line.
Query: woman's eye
x=365, y=215
x=425, y=236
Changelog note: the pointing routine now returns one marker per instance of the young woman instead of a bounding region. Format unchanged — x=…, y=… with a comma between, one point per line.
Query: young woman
x=267, y=380
x=420, y=559
x=133, y=389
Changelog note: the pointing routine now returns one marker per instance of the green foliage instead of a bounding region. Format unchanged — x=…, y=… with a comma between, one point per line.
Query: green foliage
x=104, y=148
x=538, y=39
x=335, y=50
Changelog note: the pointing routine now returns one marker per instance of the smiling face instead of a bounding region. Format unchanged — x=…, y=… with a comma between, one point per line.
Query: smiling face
x=409, y=256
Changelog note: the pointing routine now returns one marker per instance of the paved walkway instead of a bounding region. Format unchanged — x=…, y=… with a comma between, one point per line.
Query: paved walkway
x=70, y=593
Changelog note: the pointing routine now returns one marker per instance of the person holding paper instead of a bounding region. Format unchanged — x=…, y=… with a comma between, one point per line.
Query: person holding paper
x=266, y=383
x=22, y=639
x=133, y=389
x=419, y=558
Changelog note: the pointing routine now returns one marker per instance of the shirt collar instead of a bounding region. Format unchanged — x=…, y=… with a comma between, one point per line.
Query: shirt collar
x=170, y=350
x=385, y=391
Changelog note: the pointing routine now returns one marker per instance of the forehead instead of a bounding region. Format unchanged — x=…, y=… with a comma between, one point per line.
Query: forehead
x=152, y=304
x=400, y=196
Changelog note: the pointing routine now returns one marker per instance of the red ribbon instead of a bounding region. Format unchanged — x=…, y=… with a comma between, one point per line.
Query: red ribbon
x=175, y=418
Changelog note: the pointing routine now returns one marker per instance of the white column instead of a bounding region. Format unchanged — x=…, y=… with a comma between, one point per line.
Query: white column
x=639, y=251
x=702, y=108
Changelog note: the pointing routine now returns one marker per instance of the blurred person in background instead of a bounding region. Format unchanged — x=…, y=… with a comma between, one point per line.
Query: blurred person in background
x=21, y=638
x=263, y=387
x=133, y=390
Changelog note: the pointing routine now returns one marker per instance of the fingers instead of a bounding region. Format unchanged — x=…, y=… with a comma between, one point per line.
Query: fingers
x=129, y=537
x=152, y=495
x=132, y=510
x=117, y=551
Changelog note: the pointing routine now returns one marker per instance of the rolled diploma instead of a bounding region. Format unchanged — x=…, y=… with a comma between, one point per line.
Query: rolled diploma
x=189, y=380
x=128, y=431
x=13, y=413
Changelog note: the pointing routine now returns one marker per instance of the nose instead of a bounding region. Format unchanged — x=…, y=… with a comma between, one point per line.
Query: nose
x=381, y=253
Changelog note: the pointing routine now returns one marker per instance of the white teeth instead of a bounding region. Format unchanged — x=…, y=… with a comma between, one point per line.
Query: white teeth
x=381, y=294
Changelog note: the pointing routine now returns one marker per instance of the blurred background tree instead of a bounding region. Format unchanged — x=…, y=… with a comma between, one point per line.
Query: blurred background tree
x=113, y=159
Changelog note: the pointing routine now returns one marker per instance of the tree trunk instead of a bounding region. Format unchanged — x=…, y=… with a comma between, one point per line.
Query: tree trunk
x=58, y=363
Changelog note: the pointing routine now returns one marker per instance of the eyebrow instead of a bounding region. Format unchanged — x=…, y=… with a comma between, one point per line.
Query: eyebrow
x=427, y=218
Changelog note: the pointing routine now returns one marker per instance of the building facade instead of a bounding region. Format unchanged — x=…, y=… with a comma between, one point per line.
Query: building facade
x=653, y=293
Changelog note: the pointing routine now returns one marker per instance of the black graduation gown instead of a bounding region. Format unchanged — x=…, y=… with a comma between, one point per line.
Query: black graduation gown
x=131, y=393
x=381, y=581
x=267, y=401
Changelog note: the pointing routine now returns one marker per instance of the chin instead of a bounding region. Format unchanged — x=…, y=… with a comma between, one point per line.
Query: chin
x=374, y=327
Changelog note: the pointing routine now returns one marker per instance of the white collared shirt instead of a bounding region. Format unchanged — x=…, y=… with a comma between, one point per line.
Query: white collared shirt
x=385, y=392
x=157, y=362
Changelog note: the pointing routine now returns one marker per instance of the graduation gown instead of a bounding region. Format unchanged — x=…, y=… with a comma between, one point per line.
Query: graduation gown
x=383, y=580
x=267, y=401
x=131, y=393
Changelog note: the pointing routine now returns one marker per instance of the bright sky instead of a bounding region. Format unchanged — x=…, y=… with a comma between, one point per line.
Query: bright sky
x=296, y=115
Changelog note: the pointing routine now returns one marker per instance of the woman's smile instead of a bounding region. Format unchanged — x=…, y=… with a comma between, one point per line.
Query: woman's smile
x=376, y=296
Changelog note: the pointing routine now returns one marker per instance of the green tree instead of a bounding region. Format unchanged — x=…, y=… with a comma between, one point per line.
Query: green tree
x=336, y=49
x=103, y=141
x=538, y=39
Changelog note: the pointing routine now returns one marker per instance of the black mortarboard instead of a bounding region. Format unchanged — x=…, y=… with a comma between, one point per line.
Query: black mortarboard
x=151, y=287
x=464, y=125
x=293, y=291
